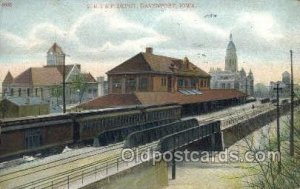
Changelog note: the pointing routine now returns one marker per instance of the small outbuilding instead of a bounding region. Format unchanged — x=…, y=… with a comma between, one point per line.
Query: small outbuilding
x=11, y=107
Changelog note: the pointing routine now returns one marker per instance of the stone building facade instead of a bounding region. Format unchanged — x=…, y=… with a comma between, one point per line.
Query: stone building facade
x=231, y=77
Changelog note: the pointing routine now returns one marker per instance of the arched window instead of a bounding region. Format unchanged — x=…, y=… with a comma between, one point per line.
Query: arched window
x=11, y=92
x=20, y=92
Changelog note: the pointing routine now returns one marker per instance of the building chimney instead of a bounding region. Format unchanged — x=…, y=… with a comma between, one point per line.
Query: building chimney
x=149, y=50
x=186, y=62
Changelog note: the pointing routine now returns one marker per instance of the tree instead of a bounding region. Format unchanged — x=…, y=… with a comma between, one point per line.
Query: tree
x=266, y=174
x=56, y=91
x=78, y=85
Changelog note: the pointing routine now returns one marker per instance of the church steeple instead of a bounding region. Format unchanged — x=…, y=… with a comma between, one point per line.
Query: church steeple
x=231, y=57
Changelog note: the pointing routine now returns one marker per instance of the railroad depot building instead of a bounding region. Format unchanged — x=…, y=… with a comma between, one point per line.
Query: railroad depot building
x=146, y=72
x=150, y=79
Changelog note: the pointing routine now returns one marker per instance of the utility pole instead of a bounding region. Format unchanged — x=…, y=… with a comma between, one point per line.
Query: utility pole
x=246, y=85
x=64, y=84
x=292, y=108
x=278, y=124
x=173, y=166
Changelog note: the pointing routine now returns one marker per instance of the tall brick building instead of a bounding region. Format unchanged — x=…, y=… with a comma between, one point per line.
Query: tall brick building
x=147, y=72
x=149, y=79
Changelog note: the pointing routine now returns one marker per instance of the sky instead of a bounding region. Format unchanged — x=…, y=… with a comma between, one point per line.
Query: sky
x=102, y=34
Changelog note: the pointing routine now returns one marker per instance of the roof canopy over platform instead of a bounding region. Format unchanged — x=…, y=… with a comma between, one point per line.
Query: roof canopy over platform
x=159, y=98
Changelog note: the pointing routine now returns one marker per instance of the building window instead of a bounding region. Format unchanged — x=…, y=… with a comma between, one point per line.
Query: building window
x=11, y=92
x=33, y=138
x=194, y=82
x=163, y=82
x=116, y=83
x=131, y=82
x=36, y=92
x=130, y=85
x=144, y=84
x=28, y=92
x=20, y=91
x=201, y=83
x=180, y=82
x=205, y=83
x=186, y=83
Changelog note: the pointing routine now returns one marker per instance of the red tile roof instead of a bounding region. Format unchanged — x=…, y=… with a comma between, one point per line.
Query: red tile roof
x=111, y=100
x=55, y=49
x=88, y=78
x=148, y=98
x=39, y=76
x=149, y=63
x=68, y=68
x=47, y=75
x=159, y=98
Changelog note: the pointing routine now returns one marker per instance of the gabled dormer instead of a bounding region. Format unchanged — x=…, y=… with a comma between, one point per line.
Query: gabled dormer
x=8, y=79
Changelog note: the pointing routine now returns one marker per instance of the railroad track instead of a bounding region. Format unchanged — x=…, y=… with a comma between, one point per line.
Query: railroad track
x=100, y=158
x=55, y=180
x=232, y=113
x=16, y=174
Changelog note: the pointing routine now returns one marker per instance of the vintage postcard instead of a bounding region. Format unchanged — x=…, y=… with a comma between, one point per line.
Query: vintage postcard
x=149, y=94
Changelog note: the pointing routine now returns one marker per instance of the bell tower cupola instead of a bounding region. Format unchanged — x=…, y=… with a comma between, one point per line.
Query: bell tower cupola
x=231, y=63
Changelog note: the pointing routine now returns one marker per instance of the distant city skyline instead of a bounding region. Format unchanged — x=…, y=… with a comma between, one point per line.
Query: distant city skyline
x=99, y=38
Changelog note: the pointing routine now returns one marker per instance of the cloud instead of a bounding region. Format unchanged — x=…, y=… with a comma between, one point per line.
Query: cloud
x=94, y=35
x=189, y=30
x=261, y=34
x=262, y=23
x=97, y=28
x=112, y=33
x=11, y=44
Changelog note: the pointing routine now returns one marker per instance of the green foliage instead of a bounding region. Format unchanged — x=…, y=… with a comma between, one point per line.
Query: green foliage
x=78, y=84
x=267, y=174
x=56, y=91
